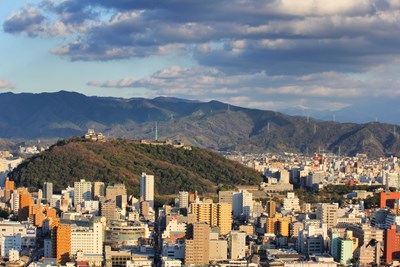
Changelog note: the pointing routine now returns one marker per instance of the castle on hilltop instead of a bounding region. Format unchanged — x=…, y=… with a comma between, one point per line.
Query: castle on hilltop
x=91, y=135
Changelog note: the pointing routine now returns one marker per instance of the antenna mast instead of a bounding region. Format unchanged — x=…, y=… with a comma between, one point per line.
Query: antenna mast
x=156, y=132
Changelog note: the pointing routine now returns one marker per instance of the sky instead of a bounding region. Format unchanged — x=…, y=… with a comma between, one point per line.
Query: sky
x=297, y=56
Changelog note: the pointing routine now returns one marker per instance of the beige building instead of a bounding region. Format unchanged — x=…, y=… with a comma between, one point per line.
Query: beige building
x=365, y=233
x=116, y=258
x=112, y=191
x=98, y=189
x=197, y=245
x=109, y=210
x=82, y=191
x=237, y=245
x=218, y=248
x=225, y=196
x=327, y=213
x=295, y=227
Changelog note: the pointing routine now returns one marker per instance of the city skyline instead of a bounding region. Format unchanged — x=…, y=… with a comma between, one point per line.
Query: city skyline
x=280, y=55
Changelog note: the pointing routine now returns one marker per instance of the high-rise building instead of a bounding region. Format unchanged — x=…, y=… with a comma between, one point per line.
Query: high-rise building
x=9, y=184
x=327, y=213
x=48, y=191
x=25, y=201
x=193, y=197
x=183, y=200
x=291, y=202
x=197, y=245
x=108, y=210
x=237, y=245
x=242, y=203
x=315, y=178
x=147, y=188
x=392, y=245
x=15, y=201
x=392, y=180
x=69, y=238
x=144, y=208
x=271, y=208
x=345, y=250
x=224, y=217
x=295, y=228
x=99, y=189
x=219, y=214
x=284, y=176
x=225, y=196
x=88, y=239
x=218, y=248
x=387, y=199
x=112, y=191
x=82, y=191
x=334, y=246
x=365, y=233
x=278, y=225
x=204, y=212
x=61, y=243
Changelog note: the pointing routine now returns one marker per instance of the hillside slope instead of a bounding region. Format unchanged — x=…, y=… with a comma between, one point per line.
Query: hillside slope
x=205, y=124
x=121, y=160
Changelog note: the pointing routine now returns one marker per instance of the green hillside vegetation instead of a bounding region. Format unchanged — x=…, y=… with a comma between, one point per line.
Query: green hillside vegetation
x=123, y=161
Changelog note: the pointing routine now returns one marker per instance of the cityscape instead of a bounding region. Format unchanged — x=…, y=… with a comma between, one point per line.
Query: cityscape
x=184, y=133
x=316, y=210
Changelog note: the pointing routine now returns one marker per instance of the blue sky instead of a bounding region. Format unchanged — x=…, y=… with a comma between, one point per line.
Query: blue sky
x=306, y=56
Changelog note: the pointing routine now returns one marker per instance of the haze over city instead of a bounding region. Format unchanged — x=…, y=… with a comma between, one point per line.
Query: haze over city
x=301, y=57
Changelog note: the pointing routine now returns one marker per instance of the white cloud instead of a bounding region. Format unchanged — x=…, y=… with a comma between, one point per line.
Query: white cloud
x=4, y=84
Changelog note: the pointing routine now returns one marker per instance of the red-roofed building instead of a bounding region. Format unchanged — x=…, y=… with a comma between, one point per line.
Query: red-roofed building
x=387, y=199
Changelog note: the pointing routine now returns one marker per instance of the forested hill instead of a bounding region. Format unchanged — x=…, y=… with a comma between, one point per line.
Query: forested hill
x=120, y=160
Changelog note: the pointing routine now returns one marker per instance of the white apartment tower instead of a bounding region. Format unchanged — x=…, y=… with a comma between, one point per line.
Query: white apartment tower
x=147, y=188
x=242, y=203
x=82, y=191
x=183, y=200
x=237, y=245
x=291, y=202
x=15, y=202
x=89, y=240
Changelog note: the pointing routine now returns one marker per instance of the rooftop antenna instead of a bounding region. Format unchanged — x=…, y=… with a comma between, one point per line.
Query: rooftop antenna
x=268, y=127
x=156, y=132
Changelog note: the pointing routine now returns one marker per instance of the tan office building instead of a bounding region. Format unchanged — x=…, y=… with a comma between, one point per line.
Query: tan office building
x=197, y=246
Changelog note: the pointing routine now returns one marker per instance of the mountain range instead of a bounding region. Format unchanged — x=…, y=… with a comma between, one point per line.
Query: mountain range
x=213, y=124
